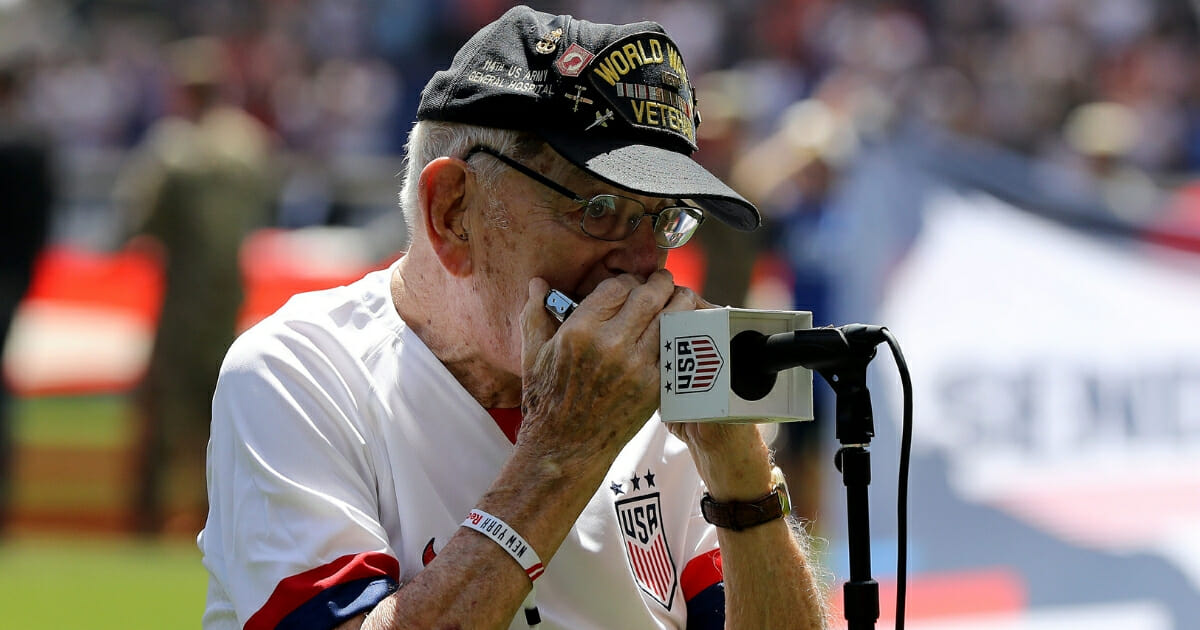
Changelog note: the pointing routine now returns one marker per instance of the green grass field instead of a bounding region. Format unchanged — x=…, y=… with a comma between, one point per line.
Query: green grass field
x=99, y=421
x=80, y=579
x=64, y=583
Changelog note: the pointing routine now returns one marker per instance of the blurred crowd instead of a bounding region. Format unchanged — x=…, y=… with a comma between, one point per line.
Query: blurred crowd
x=1104, y=93
x=1106, y=88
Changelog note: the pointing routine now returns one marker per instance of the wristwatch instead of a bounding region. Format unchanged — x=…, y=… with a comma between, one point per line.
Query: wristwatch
x=739, y=515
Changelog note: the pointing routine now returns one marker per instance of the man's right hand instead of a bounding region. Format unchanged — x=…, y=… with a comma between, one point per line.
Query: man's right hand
x=590, y=384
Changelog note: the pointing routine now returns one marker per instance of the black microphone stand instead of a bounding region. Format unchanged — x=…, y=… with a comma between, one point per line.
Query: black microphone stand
x=854, y=429
x=840, y=355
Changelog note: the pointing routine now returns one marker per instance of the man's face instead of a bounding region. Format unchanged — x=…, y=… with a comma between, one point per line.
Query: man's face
x=527, y=230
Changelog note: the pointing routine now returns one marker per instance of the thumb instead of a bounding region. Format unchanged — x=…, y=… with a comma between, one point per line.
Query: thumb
x=537, y=326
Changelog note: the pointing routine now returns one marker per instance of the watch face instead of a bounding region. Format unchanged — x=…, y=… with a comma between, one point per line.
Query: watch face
x=785, y=498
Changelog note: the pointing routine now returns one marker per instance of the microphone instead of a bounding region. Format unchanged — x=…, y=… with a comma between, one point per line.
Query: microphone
x=746, y=365
x=755, y=358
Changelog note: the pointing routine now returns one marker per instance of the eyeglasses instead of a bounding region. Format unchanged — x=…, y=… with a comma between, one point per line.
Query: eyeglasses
x=614, y=217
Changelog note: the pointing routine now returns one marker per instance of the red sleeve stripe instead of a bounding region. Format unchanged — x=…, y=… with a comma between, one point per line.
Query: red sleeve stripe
x=293, y=592
x=700, y=573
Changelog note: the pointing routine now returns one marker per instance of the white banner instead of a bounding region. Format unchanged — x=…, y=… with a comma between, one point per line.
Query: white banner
x=1057, y=376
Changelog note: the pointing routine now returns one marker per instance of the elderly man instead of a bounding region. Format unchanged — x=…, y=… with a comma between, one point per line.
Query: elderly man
x=428, y=448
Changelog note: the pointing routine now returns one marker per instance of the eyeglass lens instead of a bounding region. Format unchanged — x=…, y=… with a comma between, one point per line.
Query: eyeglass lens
x=613, y=218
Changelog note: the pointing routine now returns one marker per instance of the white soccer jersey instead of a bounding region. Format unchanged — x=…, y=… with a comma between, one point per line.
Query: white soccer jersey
x=344, y=455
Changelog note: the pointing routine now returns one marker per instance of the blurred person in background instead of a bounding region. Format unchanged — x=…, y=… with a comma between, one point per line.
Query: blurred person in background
x=193, y=191
x=27, y=198
x=792, y=173
x=729, y=254
x=1102, y=137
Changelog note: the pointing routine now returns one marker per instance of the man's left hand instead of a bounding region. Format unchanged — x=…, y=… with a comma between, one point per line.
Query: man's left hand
x=733, y=460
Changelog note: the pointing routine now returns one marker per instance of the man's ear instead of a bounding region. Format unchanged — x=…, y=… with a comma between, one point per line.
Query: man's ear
x=445, y=192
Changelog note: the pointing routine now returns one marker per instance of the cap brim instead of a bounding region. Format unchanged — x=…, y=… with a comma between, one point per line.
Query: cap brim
x=656, y=172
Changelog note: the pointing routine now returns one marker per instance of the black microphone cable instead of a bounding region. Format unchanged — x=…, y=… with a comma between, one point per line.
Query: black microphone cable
x=906, y=430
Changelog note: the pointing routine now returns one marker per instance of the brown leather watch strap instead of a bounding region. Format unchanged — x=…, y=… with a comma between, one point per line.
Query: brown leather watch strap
x=738, y=515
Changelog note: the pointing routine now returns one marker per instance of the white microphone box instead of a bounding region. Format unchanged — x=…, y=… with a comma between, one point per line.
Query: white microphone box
x=695, y=368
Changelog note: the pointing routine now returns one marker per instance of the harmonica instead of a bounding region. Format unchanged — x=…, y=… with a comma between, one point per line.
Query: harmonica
x=559, y=305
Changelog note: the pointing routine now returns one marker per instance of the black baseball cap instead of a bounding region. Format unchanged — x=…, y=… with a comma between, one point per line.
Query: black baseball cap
x=615, y=100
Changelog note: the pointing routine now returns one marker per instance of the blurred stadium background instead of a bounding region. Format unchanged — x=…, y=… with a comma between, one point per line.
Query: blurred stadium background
x=1010, y=185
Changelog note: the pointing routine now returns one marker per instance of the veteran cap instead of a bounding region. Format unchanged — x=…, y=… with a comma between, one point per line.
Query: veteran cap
x=615, y=100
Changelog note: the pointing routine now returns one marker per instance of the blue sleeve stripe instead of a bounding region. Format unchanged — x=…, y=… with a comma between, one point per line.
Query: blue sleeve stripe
x=338, y=603
x=706, y=610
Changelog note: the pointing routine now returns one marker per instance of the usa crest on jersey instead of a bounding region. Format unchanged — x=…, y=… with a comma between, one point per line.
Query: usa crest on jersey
x=646, y=548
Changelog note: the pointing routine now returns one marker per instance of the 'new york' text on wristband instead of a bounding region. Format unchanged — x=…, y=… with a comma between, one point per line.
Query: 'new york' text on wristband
x=508, y=539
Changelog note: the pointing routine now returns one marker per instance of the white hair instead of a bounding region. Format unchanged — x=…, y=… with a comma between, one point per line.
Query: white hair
x=432, y=139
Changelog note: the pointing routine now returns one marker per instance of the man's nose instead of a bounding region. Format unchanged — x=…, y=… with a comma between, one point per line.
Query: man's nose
x=639, y=253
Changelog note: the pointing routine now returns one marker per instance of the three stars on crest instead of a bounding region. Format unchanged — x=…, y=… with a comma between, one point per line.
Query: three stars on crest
x=636, y=481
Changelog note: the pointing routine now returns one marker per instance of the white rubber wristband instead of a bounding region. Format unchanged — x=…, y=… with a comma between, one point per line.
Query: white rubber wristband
x=508, y=539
